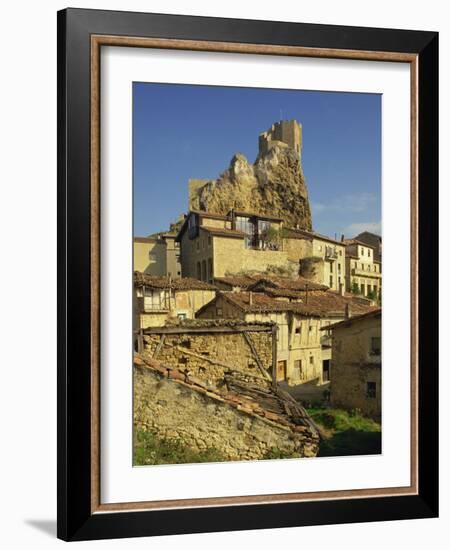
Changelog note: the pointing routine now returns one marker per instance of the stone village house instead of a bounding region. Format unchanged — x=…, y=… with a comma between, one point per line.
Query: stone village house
x=303, y=351
x=363, y=271
x=157, y=255
x=214, y=246
x=356, y=363
x=157, y=299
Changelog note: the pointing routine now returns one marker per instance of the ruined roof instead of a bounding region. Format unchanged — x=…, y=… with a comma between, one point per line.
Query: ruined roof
x=185, y=283
x=293, y=233
x=270, y=404
x=299, y=283
x=374, y=313
x=321, y=304
x=223, y=232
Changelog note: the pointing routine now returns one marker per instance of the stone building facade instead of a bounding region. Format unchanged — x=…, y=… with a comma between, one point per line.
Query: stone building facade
x=363, y=272
x=158, y=299
x=240, y=424
x=320, y=258
x=208, y=350
x=303, y=350
x=213, y=245
x=356, y=364
x=158, y=256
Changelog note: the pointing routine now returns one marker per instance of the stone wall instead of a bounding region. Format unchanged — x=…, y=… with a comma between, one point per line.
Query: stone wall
x=353, y=366
x=202, y=420
x=231, y=257
x=209, y=355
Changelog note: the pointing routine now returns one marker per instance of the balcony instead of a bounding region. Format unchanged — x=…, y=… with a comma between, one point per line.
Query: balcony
x=330, y=253
x=257, y=243
x=364, y=273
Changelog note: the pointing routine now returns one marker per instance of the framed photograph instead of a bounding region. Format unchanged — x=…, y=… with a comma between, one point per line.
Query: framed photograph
x=247, y=252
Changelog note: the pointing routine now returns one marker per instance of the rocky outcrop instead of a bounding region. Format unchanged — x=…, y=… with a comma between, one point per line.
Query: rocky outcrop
x=274, y=185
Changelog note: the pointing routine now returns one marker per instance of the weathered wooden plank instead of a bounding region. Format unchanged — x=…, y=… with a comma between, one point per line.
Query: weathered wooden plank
x=251, y=345
x=203, y=330
x=159, y=346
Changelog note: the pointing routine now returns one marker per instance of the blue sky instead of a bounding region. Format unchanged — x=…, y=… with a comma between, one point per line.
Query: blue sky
x=185, y=131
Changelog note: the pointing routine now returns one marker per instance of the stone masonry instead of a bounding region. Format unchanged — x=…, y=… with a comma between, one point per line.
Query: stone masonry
x=173, y=406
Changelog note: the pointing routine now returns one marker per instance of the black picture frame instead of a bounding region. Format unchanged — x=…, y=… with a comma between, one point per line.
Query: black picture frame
x=75, y=518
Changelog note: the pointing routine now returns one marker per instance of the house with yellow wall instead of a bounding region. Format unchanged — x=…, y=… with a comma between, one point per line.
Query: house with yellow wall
x=158, y=255
x=320, y=258
x=215, y=245
x=157, y=299
x=356, y=363
x=303, y=351
x=362, y=269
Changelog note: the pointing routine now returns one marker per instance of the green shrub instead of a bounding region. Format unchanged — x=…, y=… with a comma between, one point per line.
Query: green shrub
x=150, y=449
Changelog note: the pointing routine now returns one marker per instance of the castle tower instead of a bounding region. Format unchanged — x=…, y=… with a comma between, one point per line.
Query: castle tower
x=288, y=132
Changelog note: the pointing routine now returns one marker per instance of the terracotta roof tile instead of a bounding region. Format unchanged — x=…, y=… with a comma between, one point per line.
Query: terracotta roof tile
x=185, y=283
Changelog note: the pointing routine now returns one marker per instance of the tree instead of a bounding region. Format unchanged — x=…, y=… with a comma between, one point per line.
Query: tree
x=355, y=288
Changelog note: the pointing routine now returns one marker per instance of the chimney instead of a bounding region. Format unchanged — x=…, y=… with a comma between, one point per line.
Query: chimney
x=341, y=289
x=250, y=298
x=342, y=238
x=348, y=312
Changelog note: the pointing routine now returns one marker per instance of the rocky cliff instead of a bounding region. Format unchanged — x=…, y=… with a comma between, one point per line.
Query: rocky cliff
x=273, y=185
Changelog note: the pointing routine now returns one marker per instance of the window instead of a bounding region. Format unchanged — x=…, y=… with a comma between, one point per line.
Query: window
x=219, y=312
x=368, y=252
x=331, y=281
x=310, y=329
x=362, y=251
x=363, y=289
x=209, y=240
x=371, y=390
x=339, y=268
x=311, y=360
x=340, y=252
x=375, y=345
x=298, y=329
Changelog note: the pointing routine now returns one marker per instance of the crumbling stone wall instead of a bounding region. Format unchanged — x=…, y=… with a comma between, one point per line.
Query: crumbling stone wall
x=173, y=410
x=209, y=355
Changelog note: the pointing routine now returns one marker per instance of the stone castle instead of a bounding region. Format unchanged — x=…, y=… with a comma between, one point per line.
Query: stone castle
x=288, y=132
x=273, y=185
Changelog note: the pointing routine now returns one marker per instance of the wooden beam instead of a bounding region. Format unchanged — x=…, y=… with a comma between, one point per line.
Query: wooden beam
x=159, y=346
x=213, y=329
x=251, y=345
x=274, y=356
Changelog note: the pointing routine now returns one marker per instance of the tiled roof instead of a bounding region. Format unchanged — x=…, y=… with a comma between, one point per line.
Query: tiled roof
x=323, y=304
x=299, y=283
x=235, y=280
x=375, y=313
x=273, y=405
x=293, y=233
x=223, y=232
x=185, y=283
x=349, y=242
x=145, y=239
x=255, y=215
